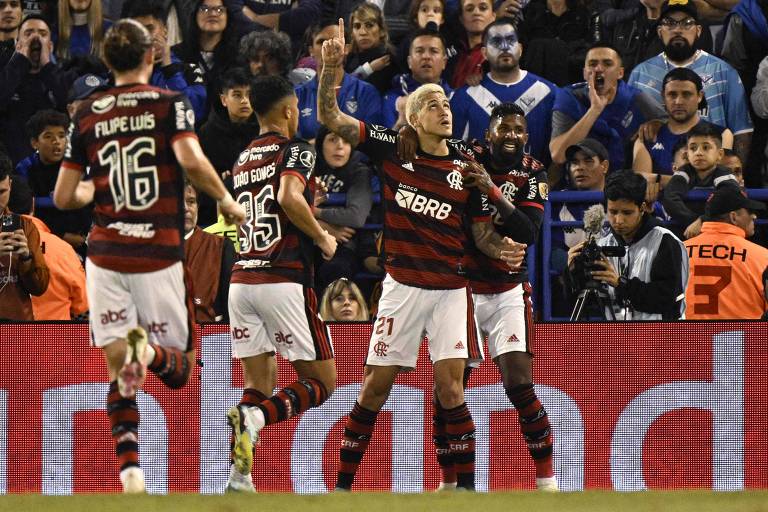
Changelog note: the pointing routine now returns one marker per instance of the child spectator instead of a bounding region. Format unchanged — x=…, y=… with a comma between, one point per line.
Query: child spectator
x=704, y=154
x=342, y=172
x=47, y=134
x=224, y=135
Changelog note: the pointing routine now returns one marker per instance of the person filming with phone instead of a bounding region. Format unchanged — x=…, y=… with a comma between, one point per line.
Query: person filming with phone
x=22, y=268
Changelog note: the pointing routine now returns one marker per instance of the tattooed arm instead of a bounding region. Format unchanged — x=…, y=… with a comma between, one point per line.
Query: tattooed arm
x=328, y=112
x=492, y=245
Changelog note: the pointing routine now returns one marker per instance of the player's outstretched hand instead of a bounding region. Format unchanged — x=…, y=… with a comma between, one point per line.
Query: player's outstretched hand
x=233, y=212
x=333, y=49
x=512, y=253
x=327, y=245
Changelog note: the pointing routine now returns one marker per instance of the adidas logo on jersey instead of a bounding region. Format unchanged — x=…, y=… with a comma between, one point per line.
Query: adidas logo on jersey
x=408, y=166
x=417, y=203
x=513, y=339
x=658, y=147
x=459, y=346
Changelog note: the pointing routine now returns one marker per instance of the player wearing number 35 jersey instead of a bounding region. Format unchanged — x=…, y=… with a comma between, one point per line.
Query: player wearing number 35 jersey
x=131, y=140
x=272, y=306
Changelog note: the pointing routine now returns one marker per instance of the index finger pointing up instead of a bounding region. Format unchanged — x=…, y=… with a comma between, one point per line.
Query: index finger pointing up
x=341, y=30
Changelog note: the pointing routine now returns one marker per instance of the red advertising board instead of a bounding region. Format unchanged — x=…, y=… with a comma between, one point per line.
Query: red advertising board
x=633, y=406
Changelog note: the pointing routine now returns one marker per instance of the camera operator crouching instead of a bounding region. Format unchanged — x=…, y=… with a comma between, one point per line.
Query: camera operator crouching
x=648, y=281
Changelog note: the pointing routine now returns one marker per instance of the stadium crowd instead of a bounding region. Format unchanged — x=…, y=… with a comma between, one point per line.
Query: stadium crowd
x=605, y=85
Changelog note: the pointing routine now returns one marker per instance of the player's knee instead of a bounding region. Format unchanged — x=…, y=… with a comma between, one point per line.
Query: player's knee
x=374, y=390
x=450, y=394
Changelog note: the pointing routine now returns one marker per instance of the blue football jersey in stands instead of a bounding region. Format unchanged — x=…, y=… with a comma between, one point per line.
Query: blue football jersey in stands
x=661, y=148
x=618, y=121
x=723, y=90
x=472, y=106
x=357, y=98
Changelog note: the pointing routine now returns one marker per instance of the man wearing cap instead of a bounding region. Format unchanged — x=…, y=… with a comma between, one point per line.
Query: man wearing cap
x=587, y=163
x=683, y=98
x=81, y=89
x=729, y=274
x=603, y=107
x=679, y=29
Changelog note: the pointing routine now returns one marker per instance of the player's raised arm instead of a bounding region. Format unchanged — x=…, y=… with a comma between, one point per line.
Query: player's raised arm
x=328, y=112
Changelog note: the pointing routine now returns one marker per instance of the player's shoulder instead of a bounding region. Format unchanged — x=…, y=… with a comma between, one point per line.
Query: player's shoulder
x=298, y=152
x=381, y=133
x=462, y=149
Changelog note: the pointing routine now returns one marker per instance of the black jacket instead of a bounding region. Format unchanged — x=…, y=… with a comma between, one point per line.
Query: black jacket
x=21, y=95
x=222, y=141
x=684, y=212
x=381, y=79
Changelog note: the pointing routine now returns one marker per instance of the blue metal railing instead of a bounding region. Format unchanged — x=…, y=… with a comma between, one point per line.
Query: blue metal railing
x=549, y=224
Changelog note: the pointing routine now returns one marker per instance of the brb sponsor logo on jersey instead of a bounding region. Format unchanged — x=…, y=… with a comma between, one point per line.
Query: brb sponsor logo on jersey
x=408, y=197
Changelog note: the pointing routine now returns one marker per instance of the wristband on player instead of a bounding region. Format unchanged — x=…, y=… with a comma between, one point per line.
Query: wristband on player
x=226, y=201
x=494, y=194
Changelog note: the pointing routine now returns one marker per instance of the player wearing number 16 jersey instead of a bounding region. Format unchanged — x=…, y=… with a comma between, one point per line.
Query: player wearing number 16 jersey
x=272, y=306
x=131, y=139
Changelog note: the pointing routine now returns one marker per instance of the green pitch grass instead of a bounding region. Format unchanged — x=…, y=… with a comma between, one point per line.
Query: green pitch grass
x=591, y=501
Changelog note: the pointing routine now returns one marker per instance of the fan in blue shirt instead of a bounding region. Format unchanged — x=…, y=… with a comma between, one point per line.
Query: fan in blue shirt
x=506, y=82
x=357, y=98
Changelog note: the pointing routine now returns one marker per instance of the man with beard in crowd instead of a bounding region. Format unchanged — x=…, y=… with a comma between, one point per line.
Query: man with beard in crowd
x=679, y=29
x=506, y=82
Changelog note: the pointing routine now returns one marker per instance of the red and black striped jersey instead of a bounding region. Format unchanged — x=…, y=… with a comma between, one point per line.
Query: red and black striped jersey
x=272, y=249
x=123, y=138
x=425, y=206
x=524, y=184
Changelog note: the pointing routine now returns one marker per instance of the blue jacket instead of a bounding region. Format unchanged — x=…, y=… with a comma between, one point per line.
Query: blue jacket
x=618, y=121
x=183, y=77
x=357, y=98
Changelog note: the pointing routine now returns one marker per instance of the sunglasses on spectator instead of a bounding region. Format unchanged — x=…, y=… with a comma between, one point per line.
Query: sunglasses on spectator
x=217, y=10
x=686, y=24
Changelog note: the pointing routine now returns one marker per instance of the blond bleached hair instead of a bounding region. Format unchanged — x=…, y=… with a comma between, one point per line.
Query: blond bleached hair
x=418, y=98
x=95, y=28
x=334, y=290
